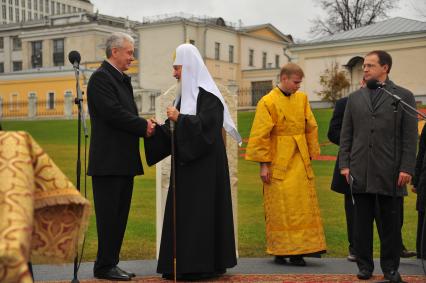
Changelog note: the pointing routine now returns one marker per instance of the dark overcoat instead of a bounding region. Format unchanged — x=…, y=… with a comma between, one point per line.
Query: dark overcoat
x=367, y=140
x=338, y=183
x=115, y=124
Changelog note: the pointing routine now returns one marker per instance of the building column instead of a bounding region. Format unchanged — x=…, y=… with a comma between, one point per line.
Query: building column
x=32, y=105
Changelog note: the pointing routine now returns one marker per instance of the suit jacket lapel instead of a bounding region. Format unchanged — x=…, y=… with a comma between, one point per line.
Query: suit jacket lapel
x=366, y=96
x=384, y=96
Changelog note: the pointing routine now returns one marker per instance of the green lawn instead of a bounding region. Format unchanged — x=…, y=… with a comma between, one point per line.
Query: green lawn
x=59, y=139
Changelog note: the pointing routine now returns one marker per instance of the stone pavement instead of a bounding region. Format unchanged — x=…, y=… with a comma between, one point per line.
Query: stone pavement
x=245, y=266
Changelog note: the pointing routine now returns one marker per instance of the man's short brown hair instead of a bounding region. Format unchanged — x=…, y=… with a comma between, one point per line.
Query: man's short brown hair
x=291, y=69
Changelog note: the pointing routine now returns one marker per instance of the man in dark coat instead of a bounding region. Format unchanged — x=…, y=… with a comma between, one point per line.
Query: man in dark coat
x=366, y=159
x=114, y=157
x=419, y=184
x=338, y=183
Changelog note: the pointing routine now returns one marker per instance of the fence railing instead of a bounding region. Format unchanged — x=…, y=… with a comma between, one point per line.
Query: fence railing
x=250, y=96
x=33, y=107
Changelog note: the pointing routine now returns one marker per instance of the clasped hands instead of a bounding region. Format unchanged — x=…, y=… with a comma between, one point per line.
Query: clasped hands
x=172, y=115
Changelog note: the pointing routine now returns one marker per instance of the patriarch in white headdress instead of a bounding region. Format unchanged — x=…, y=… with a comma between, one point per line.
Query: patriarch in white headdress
x=194, y=74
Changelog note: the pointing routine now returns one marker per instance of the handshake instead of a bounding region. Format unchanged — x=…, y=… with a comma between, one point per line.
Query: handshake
x=172, y=115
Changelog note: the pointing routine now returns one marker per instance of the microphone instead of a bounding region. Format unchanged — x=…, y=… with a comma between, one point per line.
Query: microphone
x=74, y=58
x=374, y=84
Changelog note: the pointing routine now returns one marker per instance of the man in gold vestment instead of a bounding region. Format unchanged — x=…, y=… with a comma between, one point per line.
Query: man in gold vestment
x=284, y=139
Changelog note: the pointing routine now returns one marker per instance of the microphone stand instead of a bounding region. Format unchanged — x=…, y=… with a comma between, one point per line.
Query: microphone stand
x=81, y=120
x=397, y=100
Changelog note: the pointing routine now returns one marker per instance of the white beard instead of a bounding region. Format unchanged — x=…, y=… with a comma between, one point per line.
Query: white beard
x=178, y=93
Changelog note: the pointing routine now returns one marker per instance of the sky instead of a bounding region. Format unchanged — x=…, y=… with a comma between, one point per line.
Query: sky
x=289, y=16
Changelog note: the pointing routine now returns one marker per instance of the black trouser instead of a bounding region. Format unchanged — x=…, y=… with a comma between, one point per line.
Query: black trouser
x=349, y=211
x=421, y=236
x=390, y=240
x=112, y=196
x=378, y=221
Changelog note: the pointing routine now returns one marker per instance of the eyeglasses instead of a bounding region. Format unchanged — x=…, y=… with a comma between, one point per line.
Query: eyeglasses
x=368, y=66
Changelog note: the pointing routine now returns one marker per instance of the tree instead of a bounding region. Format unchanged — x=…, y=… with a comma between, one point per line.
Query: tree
x=345, y=15
x=334, y=83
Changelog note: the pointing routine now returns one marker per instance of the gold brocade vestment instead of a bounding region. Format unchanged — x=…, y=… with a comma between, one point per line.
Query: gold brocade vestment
x=285, y=134
x=42, y=215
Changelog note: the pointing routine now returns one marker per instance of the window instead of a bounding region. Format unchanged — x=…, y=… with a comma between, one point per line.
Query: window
x=74, y=9
x=16, y=2
x=231, y=53
x=17, y=43
x=251, y=55
x=35, y=5
x=277, y=61
x=52, y=5
x=58, y=8
x=17, y=66
x=63, y=8
x=17, y=14
x=41, y=6
x=37, y=56
x=23, y=16
x=23, y=3
x=29, y=5
x=11, y=13
x=217, y=50
x=46, y=6
x=264, y=56
x=58, y=52
x=259, y=89
x=68, y=9
x=1, y=43
x=50, y=103
x=13, y=106
x=1, y=67
x=29, y=16
x=3, y=12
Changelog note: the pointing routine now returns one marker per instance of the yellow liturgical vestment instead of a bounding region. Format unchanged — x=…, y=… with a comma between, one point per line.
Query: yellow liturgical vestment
x=285, y=134
x=42, y=215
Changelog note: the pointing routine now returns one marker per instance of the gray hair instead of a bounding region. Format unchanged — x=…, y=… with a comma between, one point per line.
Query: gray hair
x=116, y=40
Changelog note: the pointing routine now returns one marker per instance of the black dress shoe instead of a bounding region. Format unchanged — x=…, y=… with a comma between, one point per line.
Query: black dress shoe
x=113, y=274
x=364, y=274
x=406, y=253
x=393, y=277
x=131, y=274
x=297, y=261
x=279, y=259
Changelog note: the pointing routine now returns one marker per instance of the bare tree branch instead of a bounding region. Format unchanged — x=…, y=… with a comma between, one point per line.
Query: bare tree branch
x=345, y=15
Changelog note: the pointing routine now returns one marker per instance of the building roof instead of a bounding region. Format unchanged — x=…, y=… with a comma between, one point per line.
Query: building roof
x=285, y=37
x=390, y=27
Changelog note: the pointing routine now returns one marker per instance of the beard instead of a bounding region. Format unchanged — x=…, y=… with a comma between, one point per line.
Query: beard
x=178, y=93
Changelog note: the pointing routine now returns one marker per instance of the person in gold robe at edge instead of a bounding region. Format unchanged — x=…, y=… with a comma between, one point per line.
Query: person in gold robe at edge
x=284, y=139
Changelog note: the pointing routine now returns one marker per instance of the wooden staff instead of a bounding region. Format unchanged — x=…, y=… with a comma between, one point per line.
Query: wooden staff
x=172, y=130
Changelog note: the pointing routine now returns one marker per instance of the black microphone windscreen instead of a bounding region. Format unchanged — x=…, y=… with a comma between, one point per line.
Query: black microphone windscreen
x=373, y=84
x=74, y=56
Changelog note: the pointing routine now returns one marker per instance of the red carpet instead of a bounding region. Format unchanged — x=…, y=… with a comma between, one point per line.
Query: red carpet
x=288, y=278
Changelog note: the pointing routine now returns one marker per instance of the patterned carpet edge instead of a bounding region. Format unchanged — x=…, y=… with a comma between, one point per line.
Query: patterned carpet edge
x=266, y=278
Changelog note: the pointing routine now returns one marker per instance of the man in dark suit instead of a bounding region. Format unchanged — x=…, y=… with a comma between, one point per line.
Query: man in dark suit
x=114, y=157
x=366, y=159
x=338, y=183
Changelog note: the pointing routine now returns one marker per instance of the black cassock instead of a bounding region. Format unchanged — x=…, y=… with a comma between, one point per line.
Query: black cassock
x=205, y=230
